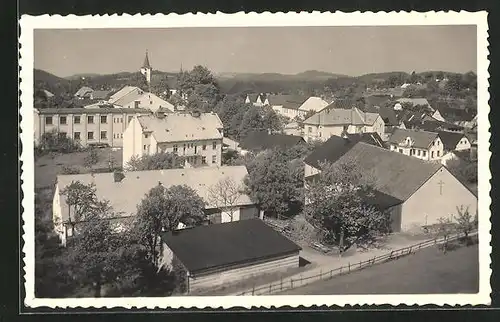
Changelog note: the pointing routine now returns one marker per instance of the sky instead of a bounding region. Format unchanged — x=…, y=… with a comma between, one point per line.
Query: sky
x=288, y=50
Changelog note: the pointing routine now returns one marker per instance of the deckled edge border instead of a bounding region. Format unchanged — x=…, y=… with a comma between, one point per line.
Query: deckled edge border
x=252, y=19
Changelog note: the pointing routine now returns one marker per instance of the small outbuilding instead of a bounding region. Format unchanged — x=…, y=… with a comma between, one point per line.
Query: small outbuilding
x=227, y=253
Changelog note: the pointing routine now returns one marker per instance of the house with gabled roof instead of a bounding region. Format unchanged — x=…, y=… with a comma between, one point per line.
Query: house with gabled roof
x=463, y=117
x=454, y=141
x=255, y=99
x=134, y=97
x=286, y=105
x=83, y=92
x=415, y=101
x=196, y=136
x=334, y=148
x=336, y=121
x=419, y=144
x=124, y=191
x=426, y=190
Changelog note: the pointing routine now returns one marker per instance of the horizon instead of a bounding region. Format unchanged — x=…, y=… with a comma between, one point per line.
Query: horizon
x=351, y=51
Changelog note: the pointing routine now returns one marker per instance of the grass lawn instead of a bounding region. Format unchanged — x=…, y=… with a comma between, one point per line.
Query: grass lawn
x=49, y=166
x=427, y=271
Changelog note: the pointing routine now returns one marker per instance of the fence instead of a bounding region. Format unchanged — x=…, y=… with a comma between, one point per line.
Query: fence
x=291, y=283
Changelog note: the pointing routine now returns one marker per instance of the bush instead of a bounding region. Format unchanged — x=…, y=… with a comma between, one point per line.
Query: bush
x=56, y=142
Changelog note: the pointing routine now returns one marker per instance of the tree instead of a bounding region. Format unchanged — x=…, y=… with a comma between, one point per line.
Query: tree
x=162, y=209
x=252, y=121
x=445, y=228
x=337, y=204
x=465, y=220
x=57, y=142
x=201, y=88
x=91, y=159
x=224, y=195
x=271, y=120
x=276, y=183
x=81, y=200
x=464, y=170
x=155, y=161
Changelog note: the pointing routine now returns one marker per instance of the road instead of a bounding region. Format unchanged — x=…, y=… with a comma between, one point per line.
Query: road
x=427, y=271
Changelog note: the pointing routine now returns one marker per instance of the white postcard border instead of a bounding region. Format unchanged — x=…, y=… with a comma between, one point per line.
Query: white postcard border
x=241, y=19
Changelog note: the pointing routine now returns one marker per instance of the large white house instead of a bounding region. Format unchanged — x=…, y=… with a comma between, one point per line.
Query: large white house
x=336, y=121
x=196, y=136
x=134, y=97
x=124, y=191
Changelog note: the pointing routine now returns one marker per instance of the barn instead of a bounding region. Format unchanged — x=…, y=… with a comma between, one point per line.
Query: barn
x=226, y=253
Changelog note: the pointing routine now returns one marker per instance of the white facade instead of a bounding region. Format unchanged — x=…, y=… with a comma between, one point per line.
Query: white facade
x=324, y=132
x=200, y=152
x=433, y=152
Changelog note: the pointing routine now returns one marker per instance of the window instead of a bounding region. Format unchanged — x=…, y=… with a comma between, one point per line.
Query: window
x=130, y=118
x=144, y=146
x=90, y=135
x=203, y=160
x=424, y=153
x=412, y=152
x=184, y=148
x=76, y=135
x=77, y=120
x=214, y=145
x=104, y=135
x=90, y=119
x=62, y=135
x=62, y=120
x=309, y=129
x=121, y=135
x=48, y=120
x=214, y=159
x=432, y=154
x=146, y=135
x=418, y=152
x=114, y=120
x=175, y=148
x=438, y=153
x=121, y=119
x=400, y=150
x=204, y=147
x=104, y=119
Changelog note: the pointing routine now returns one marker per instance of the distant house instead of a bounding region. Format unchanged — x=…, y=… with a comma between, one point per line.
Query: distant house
x=416, y=102
x=454, y=141
x=196, y=136
x=256, y=99
x=48, y=94
x=125, y=192
x=419, y=144
x=99, y=95
x=334, y=148
x=262, y=140
x=230, y=144
x=134, y=97
x=426, y=190
x=84, y=92
x=314, y=104
x=336, y=121
x=217, y=255
x=286, y=105
x=389, y=117
x=462, y=117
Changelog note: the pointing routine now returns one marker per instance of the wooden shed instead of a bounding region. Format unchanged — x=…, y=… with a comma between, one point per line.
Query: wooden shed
x=227, y=253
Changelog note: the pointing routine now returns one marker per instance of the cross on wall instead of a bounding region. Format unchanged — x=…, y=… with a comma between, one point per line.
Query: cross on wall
x=441, y=183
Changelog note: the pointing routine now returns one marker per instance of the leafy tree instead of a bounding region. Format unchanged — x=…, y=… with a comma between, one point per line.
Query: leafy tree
x=201, y=88
x=155, y=161
x=271, y=120
x=445, y=228
x=57, y=142
x=463, y=170
x=337, y=204
x=91, y=159
x=162, y=209
x=276, y=183
x=465, y=220
x=81, y=200
x=252, y=121
x=204, y=97
x=224, y=195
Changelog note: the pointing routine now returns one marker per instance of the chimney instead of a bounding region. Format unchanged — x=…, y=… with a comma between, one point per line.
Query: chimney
x=118, y=176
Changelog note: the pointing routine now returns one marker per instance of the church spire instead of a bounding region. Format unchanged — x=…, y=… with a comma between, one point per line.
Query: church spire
x=146, y=61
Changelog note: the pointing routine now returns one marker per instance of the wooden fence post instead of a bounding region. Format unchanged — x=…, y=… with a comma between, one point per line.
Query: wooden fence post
x=331, y=272
x=390, y=257
x=270, y=287
x=349, y=265
x=281, y=284
x=253, y=290
x=360, y=264
x=321, y=274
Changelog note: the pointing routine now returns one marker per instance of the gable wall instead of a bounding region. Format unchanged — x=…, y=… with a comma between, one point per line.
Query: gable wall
x=426, y=205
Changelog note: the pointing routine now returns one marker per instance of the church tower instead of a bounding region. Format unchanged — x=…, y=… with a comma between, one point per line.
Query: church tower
x=146, y=69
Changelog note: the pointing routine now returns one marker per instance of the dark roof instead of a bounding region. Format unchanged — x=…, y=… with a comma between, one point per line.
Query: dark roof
x=262, y=140
x=335, y=147
x=455, y=114
x=432, y=126
x=450, y=139
x=386, y=113
x=381, y=200
x=204, y=248
x=394, y=174
x=288, y=101
x=146, y=61
x=100, y=94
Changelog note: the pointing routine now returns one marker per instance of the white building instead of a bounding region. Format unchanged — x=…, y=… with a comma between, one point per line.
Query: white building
x=196, y=136
x=134, y=97
x=124, y=191
x=336, y=121
x=419, y=144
